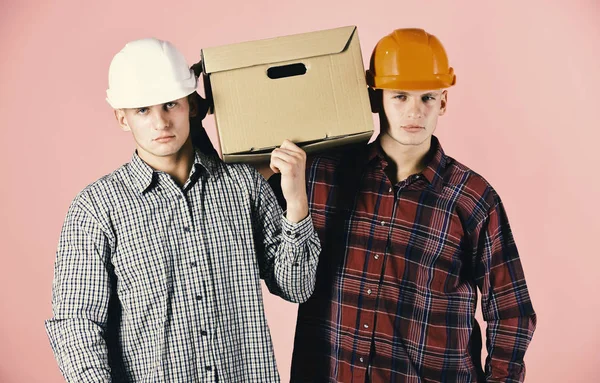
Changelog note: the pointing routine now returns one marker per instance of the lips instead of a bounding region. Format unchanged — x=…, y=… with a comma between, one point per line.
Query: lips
x=412, y=128
x=164, y=138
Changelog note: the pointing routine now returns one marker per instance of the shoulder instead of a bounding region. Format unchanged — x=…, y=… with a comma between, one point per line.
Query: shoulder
x=238, y=179
x=98, y=197
x=475, y=194
x=238, y=172
x=335, y=160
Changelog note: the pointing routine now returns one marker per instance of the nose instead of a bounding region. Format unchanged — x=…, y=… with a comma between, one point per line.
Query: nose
x=415, y=111
x=161, y=120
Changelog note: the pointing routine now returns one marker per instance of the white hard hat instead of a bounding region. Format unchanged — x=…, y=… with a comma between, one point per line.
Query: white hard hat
x=148, y=72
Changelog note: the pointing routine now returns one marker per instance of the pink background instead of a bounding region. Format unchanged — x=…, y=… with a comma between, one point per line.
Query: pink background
x=523, y=114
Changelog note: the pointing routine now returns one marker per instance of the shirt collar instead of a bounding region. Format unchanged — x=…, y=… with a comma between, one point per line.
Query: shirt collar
x=436, y=161
x=436, y=164
x=144, y=176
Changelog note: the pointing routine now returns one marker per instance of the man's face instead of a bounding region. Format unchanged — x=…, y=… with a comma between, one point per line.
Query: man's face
x=158, y=130
x=412, y=115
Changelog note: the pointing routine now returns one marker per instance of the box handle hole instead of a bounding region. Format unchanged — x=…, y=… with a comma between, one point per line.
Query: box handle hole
x=286, y=71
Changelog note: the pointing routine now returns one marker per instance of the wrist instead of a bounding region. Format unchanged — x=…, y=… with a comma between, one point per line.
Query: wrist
x=296, y=210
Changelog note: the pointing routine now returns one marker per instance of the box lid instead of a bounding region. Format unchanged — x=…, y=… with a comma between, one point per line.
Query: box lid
x=278, y=49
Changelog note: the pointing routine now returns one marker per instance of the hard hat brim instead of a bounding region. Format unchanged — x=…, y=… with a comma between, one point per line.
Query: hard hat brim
x=395, y=83
x=151, y=94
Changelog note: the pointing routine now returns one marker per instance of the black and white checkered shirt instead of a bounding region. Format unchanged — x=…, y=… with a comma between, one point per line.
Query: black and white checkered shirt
x=158, y=283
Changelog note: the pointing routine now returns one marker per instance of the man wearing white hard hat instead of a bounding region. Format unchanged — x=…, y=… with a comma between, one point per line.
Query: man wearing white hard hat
x=158, y=268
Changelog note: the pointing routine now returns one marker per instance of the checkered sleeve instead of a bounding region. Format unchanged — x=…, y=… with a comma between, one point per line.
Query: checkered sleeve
x=288, y=252
x=505, y=301
x=80, y=295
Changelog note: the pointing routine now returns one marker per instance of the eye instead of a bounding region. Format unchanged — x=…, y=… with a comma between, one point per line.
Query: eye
x=401, y=97
x=142, y=111
x=170, y=105
x=428, y=97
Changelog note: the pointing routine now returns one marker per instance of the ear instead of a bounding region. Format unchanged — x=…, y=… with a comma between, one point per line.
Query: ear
x=122, y=119
x=443, y=102
x=193, y=105
x=376, y=99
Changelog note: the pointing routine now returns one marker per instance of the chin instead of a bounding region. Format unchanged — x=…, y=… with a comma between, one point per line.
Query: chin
x=166, y=150
x=410, y=138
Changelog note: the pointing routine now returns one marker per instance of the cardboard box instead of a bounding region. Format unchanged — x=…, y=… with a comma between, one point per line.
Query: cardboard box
x=309, y=88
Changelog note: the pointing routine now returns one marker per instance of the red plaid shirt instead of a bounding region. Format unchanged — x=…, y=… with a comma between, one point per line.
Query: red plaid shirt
x=398, y=276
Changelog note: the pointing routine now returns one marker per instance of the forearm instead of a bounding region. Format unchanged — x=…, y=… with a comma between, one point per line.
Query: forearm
x=297, y=209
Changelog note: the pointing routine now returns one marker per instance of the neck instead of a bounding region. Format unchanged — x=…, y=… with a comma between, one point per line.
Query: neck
x=177, y=165
x=403, y=160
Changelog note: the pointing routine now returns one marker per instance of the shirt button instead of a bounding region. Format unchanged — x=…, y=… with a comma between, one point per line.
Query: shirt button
x=361, y=359
x=376, y=256
x=369, y=291
x=198, y=297
x=186, y=229
x=288, y=232
x=391, y=189
x=382, y=223
x=158, y=189
x=365, y=325
x=208, y=368
x=193, y=264
x=203, y=333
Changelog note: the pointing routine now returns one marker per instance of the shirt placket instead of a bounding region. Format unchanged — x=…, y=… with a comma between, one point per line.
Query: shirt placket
x=394, y=200
x=163, y=189
x=203, y=289
x=376, y=266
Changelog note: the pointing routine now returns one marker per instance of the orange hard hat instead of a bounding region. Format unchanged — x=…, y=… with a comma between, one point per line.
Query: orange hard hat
x=410, y=59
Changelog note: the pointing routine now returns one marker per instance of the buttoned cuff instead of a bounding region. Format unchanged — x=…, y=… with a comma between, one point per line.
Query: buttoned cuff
x=297, y=233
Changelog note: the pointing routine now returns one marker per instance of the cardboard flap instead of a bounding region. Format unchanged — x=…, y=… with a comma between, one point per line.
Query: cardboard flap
x=310, y=148
x=276, y=50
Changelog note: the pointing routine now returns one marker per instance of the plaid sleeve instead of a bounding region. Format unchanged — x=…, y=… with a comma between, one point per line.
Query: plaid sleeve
x=80, y=295
x=504, y=298
x=288, y=252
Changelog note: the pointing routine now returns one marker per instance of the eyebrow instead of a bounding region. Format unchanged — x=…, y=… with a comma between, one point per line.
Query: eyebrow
x=432, y=93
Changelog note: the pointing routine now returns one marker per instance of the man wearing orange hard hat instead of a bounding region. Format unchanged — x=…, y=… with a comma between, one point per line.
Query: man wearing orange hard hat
x=409, y=235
